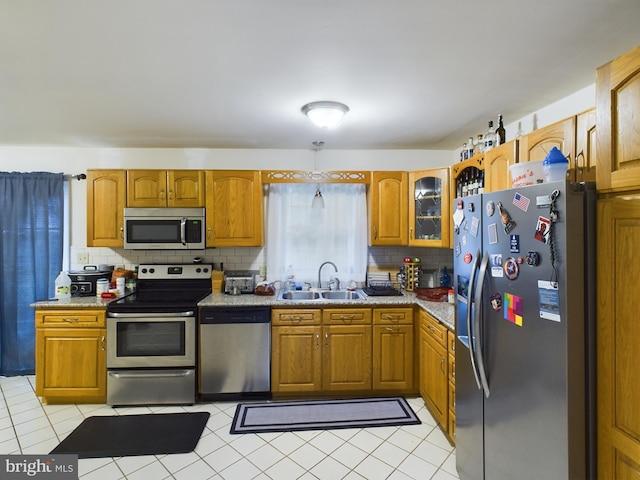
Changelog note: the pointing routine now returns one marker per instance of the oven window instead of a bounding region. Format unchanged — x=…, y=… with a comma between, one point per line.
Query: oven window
x=153, y=231
x=150, y=339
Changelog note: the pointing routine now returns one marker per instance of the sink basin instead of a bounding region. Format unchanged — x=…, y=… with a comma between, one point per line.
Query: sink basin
x=341, y=295
x=299, y=295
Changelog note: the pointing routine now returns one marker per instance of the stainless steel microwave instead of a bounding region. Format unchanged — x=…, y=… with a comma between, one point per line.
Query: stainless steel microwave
x=164, y=228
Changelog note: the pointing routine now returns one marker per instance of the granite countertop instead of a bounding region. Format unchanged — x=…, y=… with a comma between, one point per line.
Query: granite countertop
x=74, y=302
x=442, y=311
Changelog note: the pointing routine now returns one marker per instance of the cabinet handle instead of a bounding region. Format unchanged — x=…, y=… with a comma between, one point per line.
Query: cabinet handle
x=121, y=233
x=326, y=339
x=209, y=233
x=71, y=320
x=347, y=317
x=391, y=317
x=317, y=340
x=584, y=162
x=102, y=343
x=375, y=233
x=442, y=364
x=432, y=330
x=411, y=233
x=162, y=194
x=170, y=194
x=394, y=331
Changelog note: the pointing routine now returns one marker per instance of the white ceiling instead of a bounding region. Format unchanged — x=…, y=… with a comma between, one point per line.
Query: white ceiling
x=234, y=73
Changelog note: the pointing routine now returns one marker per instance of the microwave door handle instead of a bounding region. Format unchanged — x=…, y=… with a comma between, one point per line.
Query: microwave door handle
x=183, y=230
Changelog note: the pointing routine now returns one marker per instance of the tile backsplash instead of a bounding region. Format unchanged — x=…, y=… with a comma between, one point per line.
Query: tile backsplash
x=242, y=258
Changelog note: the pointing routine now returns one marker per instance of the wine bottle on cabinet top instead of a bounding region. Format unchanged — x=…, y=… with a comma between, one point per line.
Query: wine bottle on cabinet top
x=489, y=137
x=500, y=132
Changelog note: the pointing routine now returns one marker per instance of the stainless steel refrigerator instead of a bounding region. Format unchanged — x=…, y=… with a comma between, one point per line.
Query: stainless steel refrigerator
x=524, y=264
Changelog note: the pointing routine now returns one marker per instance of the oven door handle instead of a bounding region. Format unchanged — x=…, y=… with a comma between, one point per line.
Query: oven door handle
x=188, y=313
x=148, y=374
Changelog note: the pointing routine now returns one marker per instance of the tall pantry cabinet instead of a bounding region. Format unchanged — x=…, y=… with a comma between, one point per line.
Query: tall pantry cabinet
x=618, y=330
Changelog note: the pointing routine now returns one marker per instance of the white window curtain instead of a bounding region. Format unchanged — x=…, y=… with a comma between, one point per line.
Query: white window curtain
x=304, y=238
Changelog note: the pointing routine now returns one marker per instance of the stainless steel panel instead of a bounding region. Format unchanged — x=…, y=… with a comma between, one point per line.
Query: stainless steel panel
x=151, y=387
x=235, y=358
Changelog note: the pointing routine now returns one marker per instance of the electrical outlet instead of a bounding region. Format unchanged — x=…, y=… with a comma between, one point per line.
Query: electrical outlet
x=263, y=271
x=82, y=257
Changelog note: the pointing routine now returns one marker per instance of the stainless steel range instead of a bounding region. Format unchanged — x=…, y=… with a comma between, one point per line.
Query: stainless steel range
x=151, y=336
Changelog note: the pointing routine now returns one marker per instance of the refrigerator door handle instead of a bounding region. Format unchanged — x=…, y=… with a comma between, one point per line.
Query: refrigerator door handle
x=477, y=325
x=470, y=330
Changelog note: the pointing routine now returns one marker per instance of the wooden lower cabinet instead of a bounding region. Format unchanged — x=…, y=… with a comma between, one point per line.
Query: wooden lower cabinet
x=71, y=355
x=434, y=368
x=342, y=350
x=393, y=349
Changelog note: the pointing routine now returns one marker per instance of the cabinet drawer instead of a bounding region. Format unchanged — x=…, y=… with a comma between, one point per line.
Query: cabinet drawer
x=282, y=316
x=452, y=367
x=452, y=397
x=451, y=341
x=346, y=316
x=393, y=316
x=434, y=329
x=70, y=318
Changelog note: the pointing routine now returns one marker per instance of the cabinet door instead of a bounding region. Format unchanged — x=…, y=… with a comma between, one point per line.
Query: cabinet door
x=296, y=359
x=434, y=382
x=393, y=357
x=496, y=166
x=347, y=357
x=106, y=196
x=429, y=208
x=185, y=188
x=584, y=168
x=146, y=188
x=71, y=364
x=537, y=144
x=618, y=331
x=234, y=208
x=618, y=120
x=388, y=208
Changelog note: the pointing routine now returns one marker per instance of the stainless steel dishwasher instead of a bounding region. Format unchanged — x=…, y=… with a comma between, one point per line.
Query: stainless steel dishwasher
x=235, y=352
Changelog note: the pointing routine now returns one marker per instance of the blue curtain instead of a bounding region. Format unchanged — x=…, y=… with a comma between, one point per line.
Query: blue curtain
x=31, y=237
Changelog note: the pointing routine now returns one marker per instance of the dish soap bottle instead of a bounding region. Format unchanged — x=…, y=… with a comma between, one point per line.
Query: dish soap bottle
x=445, y=281
x=290, y=279
x=63, y=285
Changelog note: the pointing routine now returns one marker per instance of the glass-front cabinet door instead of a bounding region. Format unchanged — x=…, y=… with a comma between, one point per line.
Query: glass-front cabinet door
x=429, y=209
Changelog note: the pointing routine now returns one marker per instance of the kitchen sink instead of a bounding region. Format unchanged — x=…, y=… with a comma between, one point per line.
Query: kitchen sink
x=299, y=295
x=321, y=295
x=342, y=295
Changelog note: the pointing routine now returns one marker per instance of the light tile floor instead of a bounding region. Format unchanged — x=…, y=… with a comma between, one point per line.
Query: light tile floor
x=419, y=452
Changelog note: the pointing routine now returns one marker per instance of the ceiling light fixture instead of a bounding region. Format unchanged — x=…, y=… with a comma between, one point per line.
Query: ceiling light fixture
x=325, y=114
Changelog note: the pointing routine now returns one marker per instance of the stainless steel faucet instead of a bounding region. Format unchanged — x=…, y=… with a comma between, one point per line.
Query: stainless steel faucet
x=320, y=270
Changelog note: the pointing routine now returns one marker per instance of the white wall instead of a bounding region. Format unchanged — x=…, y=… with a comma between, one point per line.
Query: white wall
x=74, y=160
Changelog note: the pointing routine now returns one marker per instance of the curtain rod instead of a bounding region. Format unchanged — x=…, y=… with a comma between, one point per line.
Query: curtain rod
x=80, y=176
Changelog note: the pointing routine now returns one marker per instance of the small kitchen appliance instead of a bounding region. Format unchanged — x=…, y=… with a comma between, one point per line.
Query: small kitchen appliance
x=83, y=282
x=240, y=281
x=164, y=229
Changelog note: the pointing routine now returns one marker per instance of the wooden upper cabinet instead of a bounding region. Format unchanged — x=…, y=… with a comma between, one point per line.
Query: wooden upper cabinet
x=496, y=166
x=106, y=196
x=536, y=145
x=234, y=208
x=388, y=208
x=165, y=188
x=584, y=167
x=429, y=218
x=618, y=123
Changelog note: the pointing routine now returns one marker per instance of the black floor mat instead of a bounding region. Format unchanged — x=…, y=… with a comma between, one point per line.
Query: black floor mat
x=129, y=435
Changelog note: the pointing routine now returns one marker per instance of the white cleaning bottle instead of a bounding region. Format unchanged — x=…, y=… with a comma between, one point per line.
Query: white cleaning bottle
x=63, y=285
